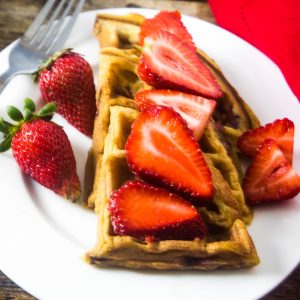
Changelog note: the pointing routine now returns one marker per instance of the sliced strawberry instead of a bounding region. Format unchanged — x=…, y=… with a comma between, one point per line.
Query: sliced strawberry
x=281, y=131
x=147, y=212
x=270, y=177
x=162, y=150
x=195, y=110
x=167, y=62
x=168, y=21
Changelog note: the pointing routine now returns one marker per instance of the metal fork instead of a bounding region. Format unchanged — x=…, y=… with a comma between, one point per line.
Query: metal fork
x=47, y=34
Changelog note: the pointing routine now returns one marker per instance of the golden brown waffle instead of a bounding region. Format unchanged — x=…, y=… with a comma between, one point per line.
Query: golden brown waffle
x=122, y=32
x=228, y=245
x=224, y=248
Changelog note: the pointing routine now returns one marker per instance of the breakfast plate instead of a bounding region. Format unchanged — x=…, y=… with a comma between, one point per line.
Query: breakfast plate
x=44, y=237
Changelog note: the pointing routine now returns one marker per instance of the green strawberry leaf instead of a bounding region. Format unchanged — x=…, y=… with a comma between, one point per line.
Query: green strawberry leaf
x=5, y=144
x=48, y=110
x=5, y=127
x=14, y=113
x=28, y=114
x=29, y=104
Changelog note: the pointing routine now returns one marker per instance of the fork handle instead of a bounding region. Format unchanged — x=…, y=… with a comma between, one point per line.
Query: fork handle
x=5, y=78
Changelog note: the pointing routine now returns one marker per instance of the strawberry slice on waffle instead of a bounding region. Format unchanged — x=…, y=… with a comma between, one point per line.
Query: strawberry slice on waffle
x=162, y=150
x=195, y=110
x=167, y=62
x=168, y=21
x=147, y=212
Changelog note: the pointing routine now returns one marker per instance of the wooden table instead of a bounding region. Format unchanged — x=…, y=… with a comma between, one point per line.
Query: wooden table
x=15, y=17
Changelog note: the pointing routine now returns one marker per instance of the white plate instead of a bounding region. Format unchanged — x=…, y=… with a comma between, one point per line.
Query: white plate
x=43, y=237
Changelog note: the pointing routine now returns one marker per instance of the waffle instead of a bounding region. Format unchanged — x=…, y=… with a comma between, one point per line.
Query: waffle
x=222, y=248
x=228, y=244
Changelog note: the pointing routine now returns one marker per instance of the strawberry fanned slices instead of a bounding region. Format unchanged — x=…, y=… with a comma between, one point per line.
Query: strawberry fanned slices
x=144, y=211
x=168, y=63
x=195, y=110
x=270, y=177
x=162, y=150
x=281, y=131
x=168, y=21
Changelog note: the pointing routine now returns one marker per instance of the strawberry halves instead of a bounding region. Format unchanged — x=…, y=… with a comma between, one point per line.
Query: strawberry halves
x=167, y=62
x=195, y=110
x=162, y=150
x=42, y=149
x=270, y=177
x=168, y=21
x=281, y=131
x=147, y=212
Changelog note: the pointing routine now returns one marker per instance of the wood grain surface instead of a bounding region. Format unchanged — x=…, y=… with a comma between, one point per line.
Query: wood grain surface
x=16, y=16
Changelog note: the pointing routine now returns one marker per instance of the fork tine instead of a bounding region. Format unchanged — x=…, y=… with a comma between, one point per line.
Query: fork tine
x=50, y=36
x=41, y=33
x=59, y=42
x=38, y=21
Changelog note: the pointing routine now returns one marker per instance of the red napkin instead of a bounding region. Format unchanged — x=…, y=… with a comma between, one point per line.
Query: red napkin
x=273, y=26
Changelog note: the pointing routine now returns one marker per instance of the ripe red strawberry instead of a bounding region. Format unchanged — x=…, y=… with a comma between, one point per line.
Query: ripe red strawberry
x=168, y=63
x=67, y=79
x=168, y=21
x=270, y=177
x=147, y=212
x=162, y=150
x=42, y=149
x=195, y=110
x=281, y=131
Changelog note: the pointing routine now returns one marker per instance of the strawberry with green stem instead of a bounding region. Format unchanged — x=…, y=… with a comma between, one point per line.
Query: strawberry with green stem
x=41, y=148
x=66, y=78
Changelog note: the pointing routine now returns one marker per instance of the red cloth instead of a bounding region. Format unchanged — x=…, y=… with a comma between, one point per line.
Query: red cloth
x=272, y=26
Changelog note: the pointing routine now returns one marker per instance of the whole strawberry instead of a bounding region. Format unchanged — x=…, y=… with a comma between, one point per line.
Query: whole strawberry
x=41, y=149
x=67, y=79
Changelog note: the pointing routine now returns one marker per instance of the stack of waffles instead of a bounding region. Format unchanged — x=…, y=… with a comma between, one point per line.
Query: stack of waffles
x=228, y=244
